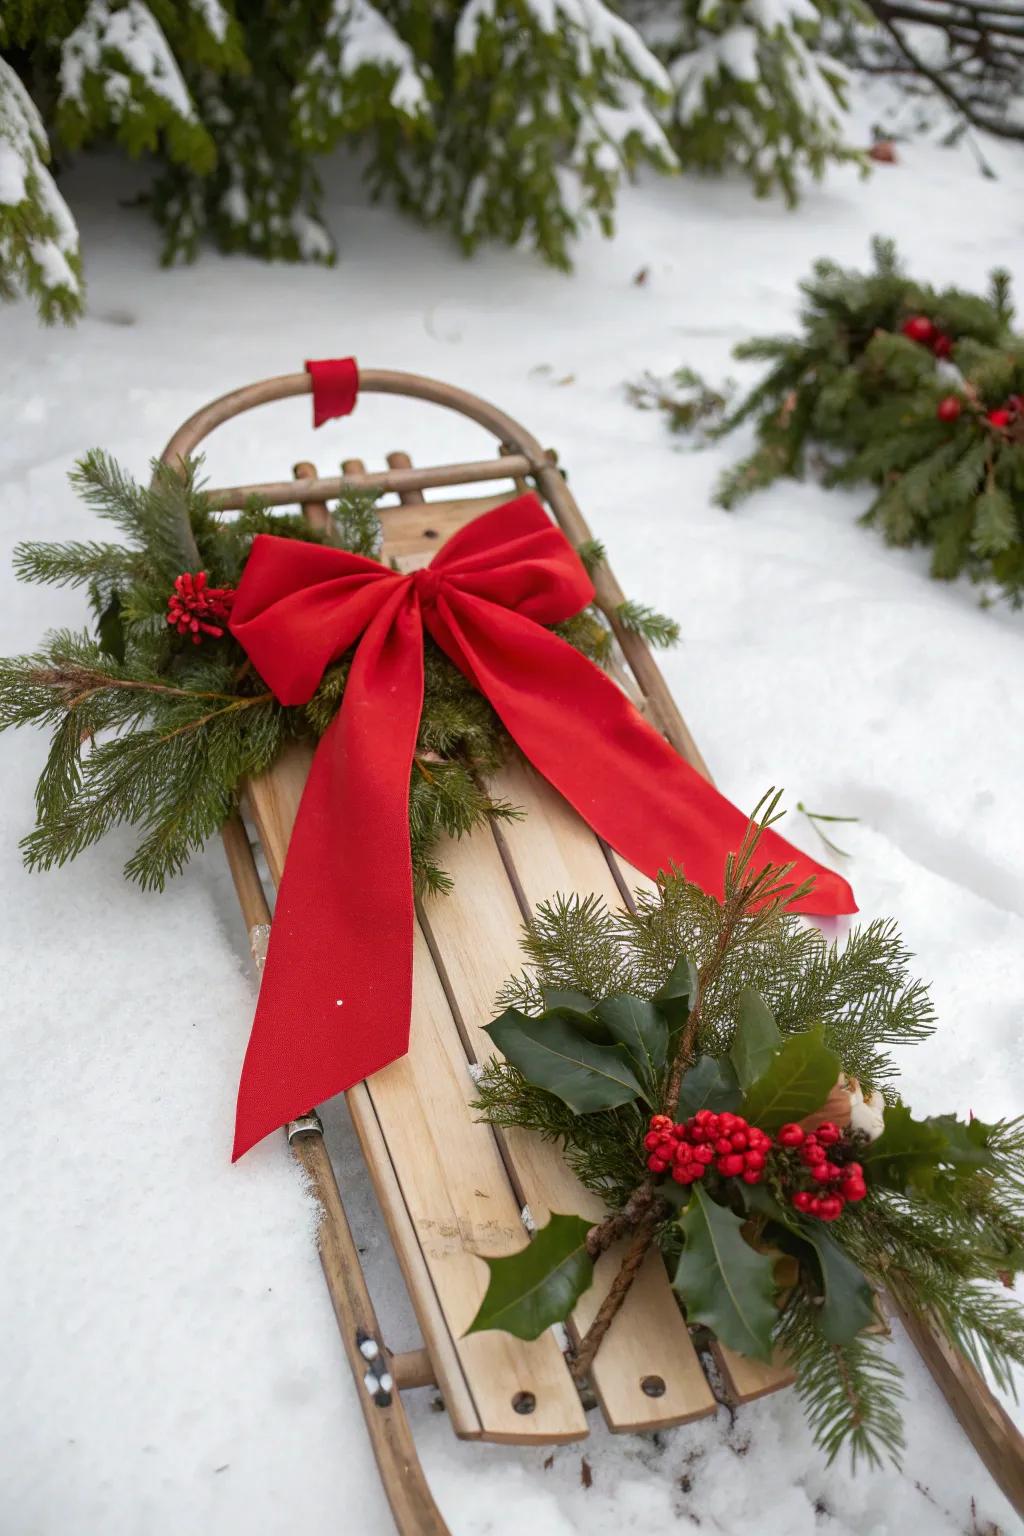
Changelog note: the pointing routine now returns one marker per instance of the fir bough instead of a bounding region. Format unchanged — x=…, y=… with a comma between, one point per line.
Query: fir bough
x=151, y=731
x=934, y=424
x=942, y=1227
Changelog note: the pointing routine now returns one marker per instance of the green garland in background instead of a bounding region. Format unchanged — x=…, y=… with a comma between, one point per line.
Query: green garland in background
x=915, y=391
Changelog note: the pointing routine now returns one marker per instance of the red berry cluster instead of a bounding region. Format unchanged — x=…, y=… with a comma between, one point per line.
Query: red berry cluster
x=193, y=604
x=927, y=334
x=736, y=1149
x=831, y=1184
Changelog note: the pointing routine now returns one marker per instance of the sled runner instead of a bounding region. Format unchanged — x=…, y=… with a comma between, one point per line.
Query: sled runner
x=450, y=1187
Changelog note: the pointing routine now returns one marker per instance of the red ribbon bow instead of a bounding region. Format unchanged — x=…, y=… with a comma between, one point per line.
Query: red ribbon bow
x=337, y=989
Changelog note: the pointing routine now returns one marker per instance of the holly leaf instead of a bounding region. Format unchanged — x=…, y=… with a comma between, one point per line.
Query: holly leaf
x=847, y=1298
x=909, y=1152
x=966, y=1142
x=552, y=1053
x=677, y=996
x=722, y=1281
x=539, y=1285
x=565, y=1000
x=796, y=1082
x=642, y=1031
x=710, y=1084
x=757, y=1040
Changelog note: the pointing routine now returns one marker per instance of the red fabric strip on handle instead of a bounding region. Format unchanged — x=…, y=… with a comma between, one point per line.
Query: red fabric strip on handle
x=335, y=387
x=335, y=1002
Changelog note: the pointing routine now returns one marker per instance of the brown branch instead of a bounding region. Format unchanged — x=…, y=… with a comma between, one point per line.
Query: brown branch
x=888, y=15
x=90, y=682
x=609, y=1308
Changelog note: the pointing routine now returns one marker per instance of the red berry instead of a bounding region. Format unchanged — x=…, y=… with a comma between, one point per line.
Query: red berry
x=723, y=1146
x=697, y=1170
x=681, y=1173
x=949, y=408
x=803, y=1200
x=827, y=1133
x=854, y=1189
x=657, y=1164
x=703, y=1155
x=651, y=1140
x=727, y=1122
x=754, y=1159
x=919, y=328
x=833, y=1170
x=660, y=1123
x=791, y=1135
x=853, y=1168
x=813, y=1155
x=942, y=345
x=829, y=1208
x=821, y=1173
x=999, y=418
x=739, y=1141
x=730, y=1165
x=751, y=1176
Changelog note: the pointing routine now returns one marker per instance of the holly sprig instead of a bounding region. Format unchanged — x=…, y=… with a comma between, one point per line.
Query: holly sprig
x=778, y=1224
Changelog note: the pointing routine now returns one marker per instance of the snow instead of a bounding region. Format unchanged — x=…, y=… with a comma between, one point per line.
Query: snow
x=171, y=1361
x=24, y=175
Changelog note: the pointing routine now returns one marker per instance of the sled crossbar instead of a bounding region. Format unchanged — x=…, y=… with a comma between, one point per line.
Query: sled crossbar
x=280, y=493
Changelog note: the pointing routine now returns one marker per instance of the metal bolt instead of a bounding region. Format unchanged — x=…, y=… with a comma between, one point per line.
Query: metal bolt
x=524, y=1402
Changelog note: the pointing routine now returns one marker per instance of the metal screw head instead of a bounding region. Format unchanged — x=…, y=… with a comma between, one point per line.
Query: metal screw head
x=653, y=1386
x=524, y=1402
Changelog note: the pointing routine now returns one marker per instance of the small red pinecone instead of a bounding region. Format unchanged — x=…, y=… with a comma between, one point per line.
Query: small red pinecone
x=192, y=605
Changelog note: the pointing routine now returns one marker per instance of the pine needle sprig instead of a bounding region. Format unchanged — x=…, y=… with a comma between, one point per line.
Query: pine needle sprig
x=851, y=1393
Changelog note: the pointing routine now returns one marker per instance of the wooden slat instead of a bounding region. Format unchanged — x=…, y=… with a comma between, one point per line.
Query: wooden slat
x=440, y=1172
x=474, y=931
x=747, y=1379
x=415, y=531
x=552, y=850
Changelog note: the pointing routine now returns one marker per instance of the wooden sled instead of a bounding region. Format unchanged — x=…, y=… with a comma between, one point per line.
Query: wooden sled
x=450, y=1187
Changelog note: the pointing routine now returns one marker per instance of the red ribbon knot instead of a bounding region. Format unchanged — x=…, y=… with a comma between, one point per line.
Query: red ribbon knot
x=343, y=929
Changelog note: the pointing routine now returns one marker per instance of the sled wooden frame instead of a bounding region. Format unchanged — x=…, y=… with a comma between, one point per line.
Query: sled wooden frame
x=451, y=1188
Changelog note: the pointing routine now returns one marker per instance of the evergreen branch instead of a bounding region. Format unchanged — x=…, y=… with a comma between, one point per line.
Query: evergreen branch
x=850, y=1393
x=656, y=628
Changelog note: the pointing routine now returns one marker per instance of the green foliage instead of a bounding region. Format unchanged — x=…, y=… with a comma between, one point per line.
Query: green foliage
x=794, y=1083
x=770, y=1013
x=38, y=240
x=539, y=1285
x=722, y=1281
x=553, y=1055
x=858, y=398
x=150, y=731
x=518, y=122
x=749, y=92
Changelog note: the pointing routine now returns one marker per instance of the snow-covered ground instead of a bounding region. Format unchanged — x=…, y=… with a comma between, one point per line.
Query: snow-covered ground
x=169, y=1359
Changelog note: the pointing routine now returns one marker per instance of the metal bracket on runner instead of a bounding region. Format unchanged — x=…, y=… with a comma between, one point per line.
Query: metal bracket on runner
x=305, y=1125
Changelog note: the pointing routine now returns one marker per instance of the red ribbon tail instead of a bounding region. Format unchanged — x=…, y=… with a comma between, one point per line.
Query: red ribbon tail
x=336, y=998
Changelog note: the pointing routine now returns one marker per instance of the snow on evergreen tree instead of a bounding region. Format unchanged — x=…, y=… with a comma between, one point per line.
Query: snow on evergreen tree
x=553, y=103
x=38, y=238
x=749, y=89
x=510, y=120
